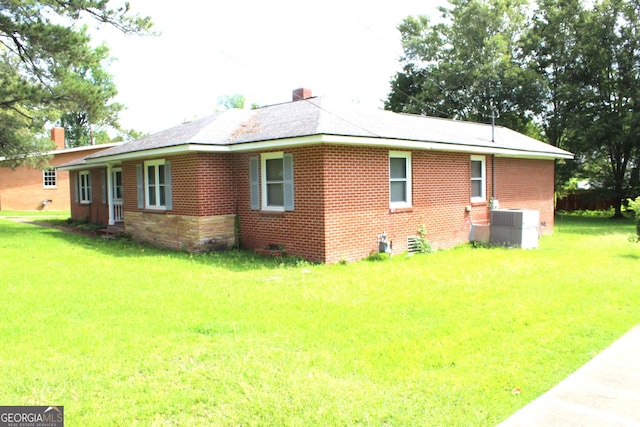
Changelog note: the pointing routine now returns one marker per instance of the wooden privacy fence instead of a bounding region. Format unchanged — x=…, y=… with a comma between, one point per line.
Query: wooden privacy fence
x=584, y=202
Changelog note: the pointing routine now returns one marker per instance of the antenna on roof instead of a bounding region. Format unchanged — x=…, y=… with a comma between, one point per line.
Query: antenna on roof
x=494, y=110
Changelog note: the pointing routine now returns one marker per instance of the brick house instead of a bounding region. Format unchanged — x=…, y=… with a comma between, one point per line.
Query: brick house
x=26, y=188
x=315, y=177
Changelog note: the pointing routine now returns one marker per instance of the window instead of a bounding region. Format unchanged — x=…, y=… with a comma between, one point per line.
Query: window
x=271, y=178
x=157, y=179
x=478, y=179
x=399, y=179
x=116, y=181
x=84, y=187
x=50, y=178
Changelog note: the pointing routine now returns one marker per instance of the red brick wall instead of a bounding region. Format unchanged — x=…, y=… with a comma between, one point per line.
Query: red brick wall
x=527, y=184
x=301, y=231
x=96, y=212
x=342, y=201
x=358, y=206
x=342, y=198
x=215, y=186
x=23, y=188
x=129, y=187
x=202, y=184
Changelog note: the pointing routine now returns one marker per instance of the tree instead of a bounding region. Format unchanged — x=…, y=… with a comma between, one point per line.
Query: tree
x=570, y=71
x=467, y=66
x=87, y=123
x=226, y=102
x=609, y=114
x=48, y=67
x=549, y=48
x=588, y=60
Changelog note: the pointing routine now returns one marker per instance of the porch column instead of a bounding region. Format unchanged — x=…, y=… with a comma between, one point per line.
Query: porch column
x=110, y=193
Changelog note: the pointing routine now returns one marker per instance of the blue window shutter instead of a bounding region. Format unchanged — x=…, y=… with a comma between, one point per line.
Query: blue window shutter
x=288, y=181
x=140, y=186
x=104, y=186
x=254, y=176
x=76, y=186
x=168, y=197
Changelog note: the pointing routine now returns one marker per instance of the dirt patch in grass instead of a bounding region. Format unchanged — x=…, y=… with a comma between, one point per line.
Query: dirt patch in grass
x=67, y=226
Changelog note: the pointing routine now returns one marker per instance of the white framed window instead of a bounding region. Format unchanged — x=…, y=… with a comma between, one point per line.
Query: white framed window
x=272, y=168
x=478, y=179
x=399, y=179
x=155, y=184
x=116, y=183
x=50, y=178
x=271, y=182
x=84, y=187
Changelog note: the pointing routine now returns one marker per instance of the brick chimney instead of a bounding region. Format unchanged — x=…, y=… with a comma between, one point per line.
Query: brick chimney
x=302, y=93
x=57, y=136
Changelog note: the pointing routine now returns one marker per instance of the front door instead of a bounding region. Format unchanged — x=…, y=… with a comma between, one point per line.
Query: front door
x=116, y=182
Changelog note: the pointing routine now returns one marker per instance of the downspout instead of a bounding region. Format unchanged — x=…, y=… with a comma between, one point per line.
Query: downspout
x=493, y=179
x=493, y=158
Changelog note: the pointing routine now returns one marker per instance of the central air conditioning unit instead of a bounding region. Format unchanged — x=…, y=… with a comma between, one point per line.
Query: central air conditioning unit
x=515, y=227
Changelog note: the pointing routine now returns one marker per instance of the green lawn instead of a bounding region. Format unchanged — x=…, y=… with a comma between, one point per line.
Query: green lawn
x=35, y=214
x=122, y=334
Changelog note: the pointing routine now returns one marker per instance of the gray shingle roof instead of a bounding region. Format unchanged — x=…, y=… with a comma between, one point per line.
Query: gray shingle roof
x=325, y=116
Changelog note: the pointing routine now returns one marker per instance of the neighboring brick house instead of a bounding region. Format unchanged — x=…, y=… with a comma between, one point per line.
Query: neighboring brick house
x=316, y=178
x=26, y=188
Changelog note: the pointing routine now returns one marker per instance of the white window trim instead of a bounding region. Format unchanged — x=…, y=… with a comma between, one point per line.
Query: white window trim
x=113, y=183
x=157, y=206
x=263, y=179
x=482, y=179
x=407, y=156
x=55, y=178
x=87, y=187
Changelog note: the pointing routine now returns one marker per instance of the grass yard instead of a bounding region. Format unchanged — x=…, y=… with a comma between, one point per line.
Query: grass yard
x=122, y=334
x=28, y=214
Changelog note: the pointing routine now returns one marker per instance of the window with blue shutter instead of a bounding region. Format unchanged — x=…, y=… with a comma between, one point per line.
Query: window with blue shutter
x=76, y=186
x=140, y=186
x=254, y=186
x=157, y=189
x=287, y=160
x=167, y=186
x=104, y=186
x=277, y=181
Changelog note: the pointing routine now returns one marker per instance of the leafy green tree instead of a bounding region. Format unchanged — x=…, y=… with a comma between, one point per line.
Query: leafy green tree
x=549, y=48
x=87, y=124
x=48, y=67
x=467, y=66
x=226, y=102
x=610, y=98
x=568, y=73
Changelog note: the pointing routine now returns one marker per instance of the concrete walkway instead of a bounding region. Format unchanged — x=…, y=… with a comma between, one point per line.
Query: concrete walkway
x=603, y=392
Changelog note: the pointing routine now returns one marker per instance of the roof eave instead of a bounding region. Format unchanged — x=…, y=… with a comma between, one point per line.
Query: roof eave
x=84, y=148
x=326, y=139
x=396, y=143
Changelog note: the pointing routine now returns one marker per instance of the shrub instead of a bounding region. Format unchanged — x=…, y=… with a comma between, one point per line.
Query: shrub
x=424, y=247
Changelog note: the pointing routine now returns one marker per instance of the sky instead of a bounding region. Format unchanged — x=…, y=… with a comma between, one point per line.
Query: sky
x=260, y=49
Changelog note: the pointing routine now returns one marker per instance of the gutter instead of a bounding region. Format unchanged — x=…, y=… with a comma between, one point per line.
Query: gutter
x=325, y=139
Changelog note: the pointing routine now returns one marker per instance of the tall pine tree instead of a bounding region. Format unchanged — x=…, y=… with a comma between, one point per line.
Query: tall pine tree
x=48, y=67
